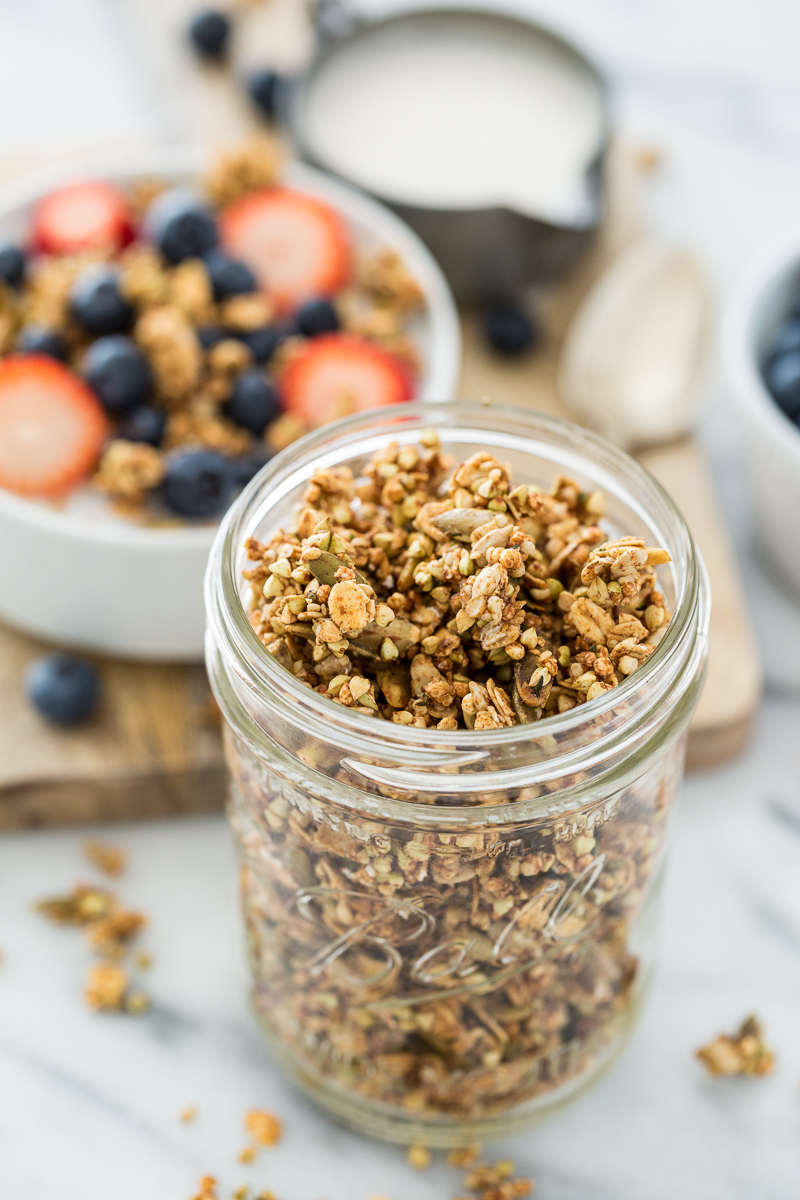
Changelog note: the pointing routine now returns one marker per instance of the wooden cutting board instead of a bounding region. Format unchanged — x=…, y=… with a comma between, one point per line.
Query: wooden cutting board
x=154, y=747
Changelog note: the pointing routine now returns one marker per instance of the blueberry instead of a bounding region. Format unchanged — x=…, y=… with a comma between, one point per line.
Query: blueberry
x=118, y=372
x=783, y=380
x=508, y=328
x=35, y=339
x=209, y=335
x=198, y=483
x=181, y=225
x=317, y=316
x=97, y=303
x=228, y=276
x=12, y=264
x=265, y=341
x=254, y=402
x=245, y=468
x=209, y=33
x=264, y=88
x=143, y=425
x=787, y=337
x=63, y=688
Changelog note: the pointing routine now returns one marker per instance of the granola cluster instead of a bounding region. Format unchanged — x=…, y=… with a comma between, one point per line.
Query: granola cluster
x=741, y=1053
x=448, y=597
x=110, y=929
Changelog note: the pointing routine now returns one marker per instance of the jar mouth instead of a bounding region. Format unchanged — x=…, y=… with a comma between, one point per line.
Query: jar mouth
x=637, y=496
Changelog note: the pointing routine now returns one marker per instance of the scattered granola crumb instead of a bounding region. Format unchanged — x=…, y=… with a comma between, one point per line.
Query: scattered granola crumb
x=188, y=1114
x=109, y=930
x=266, y=1195
x=495, y=1182
x=419, y=1157
x=137, y=1003
x=464, y=1156
x=143, y=961
x=82, y=905
x=241, y=1192
x=106, y=986
x=265, y=1127
x=111, y=860
x=207, y=1189
x=742, y=1053
x=248, y=1155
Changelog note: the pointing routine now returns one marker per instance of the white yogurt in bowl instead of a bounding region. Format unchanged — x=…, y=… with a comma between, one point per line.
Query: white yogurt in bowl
x=456, y=110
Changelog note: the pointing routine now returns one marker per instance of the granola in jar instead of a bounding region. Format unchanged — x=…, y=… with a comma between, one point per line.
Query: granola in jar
x=453, y=754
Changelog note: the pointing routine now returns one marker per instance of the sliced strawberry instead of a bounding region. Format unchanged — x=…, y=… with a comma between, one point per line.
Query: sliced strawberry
x=336, y=374
x=296, y=245
x=82, y=216
x=52, y=427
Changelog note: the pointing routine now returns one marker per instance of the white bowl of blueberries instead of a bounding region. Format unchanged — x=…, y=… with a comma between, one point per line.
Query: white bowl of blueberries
x=139, y=383
x=761, y=356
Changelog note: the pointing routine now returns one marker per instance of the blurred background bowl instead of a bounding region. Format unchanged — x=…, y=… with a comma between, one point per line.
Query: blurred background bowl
x=123, y=589
x=761, y=300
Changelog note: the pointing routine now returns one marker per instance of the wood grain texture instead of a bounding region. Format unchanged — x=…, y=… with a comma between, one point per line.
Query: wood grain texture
x=154, y=747
x=151, y=749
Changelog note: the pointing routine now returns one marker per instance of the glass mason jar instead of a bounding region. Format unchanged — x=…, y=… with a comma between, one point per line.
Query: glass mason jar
x=450, y=932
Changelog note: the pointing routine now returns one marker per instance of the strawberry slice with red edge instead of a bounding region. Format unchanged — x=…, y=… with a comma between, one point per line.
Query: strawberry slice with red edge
x=297, y=246
x=82, y=216
x=52, y=427
x=336, y=374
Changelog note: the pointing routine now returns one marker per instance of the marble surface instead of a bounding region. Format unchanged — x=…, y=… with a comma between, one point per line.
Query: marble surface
x=88, y=1103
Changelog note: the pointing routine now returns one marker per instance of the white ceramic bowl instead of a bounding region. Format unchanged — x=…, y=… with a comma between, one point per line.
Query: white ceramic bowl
x=127, y=590
x=757, y=305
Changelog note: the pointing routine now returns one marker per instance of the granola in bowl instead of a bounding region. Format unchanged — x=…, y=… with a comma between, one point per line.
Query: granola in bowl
x=455, y=702
x=161, y=338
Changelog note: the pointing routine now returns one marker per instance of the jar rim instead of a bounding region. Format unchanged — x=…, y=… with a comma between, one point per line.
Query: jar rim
x=262, y=674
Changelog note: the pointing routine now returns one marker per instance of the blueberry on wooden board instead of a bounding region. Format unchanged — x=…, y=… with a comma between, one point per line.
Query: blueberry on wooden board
x=209, y=34
x=264, y=89
x=508, y=328
x=64, y=689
